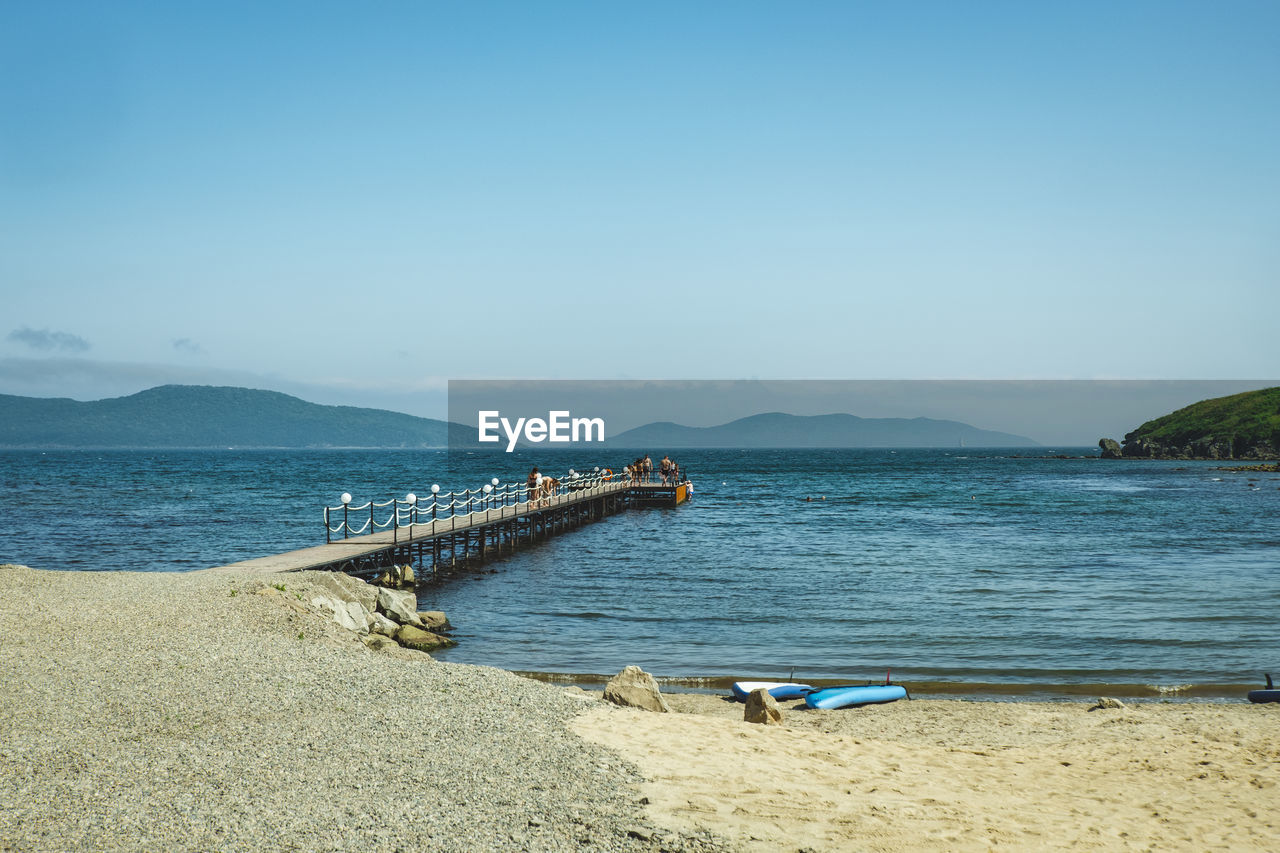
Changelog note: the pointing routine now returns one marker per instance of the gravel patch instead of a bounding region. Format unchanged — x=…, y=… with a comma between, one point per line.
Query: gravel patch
x=203, y=711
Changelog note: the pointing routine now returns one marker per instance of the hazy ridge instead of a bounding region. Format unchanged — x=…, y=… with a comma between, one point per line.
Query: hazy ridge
x=200, y=416
x=208, y=416
x=776, y=429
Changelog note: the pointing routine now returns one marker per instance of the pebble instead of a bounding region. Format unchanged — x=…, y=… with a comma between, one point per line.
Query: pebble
x=161, y=711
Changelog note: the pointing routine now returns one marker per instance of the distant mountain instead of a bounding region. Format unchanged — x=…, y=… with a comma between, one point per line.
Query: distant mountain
x=776, y=429
x=208, y=416
x=1241, y=426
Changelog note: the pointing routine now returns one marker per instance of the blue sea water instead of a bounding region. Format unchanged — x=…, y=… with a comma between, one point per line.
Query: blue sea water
x=961, y=570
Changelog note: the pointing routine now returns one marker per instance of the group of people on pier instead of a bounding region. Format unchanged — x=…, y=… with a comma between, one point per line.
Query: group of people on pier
x=542, y=488
x=641, y=471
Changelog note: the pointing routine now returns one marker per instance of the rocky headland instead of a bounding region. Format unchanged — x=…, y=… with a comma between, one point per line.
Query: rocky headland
x=1242, y=426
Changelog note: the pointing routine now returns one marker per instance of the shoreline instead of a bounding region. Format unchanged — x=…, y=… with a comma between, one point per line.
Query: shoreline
x=1209, y=693
x=193, y=711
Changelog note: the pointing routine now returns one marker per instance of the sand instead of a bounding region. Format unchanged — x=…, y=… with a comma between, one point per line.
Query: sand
x=957, y=775
x=204, y=711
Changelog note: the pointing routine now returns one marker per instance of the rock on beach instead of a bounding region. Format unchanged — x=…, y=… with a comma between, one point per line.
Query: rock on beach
x=762, y=708
x=635, y=688
x=400, y=606
x=423, y=641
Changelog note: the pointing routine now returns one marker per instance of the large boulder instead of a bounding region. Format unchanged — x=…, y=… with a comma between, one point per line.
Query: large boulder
x=424, y=641
x=635, y=688
x=377, y=642
x=1110, y=448
x=349, y=614
x=434, y=620
x=762, y=708
x=346, y=588
x=400, y=606
x=379, y=624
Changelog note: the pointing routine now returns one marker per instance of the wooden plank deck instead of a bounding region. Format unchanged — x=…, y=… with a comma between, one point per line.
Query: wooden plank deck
x=318, y=556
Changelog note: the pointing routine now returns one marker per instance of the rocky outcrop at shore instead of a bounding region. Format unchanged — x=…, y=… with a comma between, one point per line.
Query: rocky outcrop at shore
x=380, y=617
x=1205, y=447
x=1242, y=426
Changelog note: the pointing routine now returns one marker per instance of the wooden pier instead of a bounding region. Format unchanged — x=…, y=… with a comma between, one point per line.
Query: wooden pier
x=494, y=523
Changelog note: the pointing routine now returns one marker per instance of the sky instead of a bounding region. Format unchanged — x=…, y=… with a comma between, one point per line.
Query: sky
x=357, y=202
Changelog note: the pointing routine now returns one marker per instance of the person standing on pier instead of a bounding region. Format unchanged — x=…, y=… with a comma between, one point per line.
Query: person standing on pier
x=664, y=468
x=534, y=483
x=648, y=468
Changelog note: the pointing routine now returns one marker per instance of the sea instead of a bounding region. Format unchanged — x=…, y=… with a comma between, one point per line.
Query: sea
x=980, y=573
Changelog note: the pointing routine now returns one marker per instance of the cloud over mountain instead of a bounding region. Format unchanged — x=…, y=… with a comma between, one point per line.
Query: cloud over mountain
x=47, y=340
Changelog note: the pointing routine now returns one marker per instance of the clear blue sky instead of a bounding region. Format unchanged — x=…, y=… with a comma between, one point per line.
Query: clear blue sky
x=358, y=201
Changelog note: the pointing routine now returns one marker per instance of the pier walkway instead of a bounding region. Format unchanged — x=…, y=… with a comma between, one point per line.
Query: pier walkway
x=449, y=529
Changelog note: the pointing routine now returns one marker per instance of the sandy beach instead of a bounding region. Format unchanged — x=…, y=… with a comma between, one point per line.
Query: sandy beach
x=212, y=711
x=956, y=775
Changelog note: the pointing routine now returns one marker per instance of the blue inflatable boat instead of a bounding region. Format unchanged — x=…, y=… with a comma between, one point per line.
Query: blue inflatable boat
x=1268, y=695
x=851, y=697
x=777, y=689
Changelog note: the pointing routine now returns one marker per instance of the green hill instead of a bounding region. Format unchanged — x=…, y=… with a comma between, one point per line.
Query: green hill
x=1242, y=426
x=207, y=416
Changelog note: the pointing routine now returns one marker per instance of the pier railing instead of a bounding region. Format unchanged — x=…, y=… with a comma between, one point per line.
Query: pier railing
x=456, y=507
